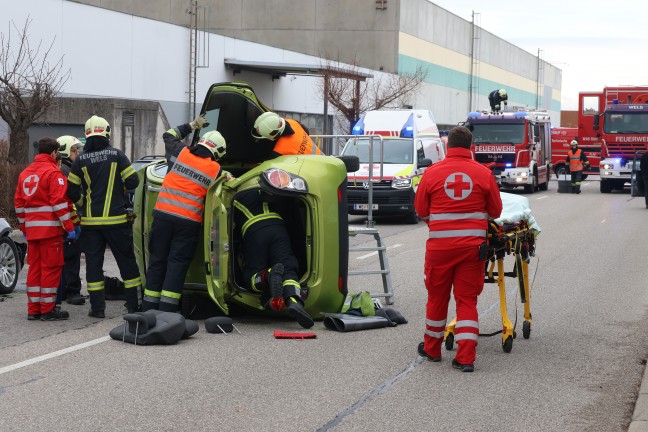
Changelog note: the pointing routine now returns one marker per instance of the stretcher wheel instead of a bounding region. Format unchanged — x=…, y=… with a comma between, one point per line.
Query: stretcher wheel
x=526, y=329
x=449, y=342
x=507, y=345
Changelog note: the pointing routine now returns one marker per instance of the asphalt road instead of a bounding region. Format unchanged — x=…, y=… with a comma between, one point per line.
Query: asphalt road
x=580, y=370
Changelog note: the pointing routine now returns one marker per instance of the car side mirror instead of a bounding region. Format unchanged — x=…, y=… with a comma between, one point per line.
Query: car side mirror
x=596, y=122
x=425, y=162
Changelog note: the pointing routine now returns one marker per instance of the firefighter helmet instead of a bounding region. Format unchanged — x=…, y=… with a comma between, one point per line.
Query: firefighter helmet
x=215, y=143
x=269, y=126
x=574, y=143
x=67, y=143
x=502, y=93
x=97, y=126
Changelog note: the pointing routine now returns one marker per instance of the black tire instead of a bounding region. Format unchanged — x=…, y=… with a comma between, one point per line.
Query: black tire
x=584, y=176
x=606, y=186
x=532, y=187
x=526, y=329
x=507, y=346
x=352, y=163
x=560, y=170
x=449, y=342
x=9, y=265
x=411, y=218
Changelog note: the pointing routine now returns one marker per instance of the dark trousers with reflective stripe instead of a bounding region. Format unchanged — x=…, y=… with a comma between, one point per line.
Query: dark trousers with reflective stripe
x=172, y=247
x=120, y=240
x=576, y=178
x=71, y=281
x=266, y=247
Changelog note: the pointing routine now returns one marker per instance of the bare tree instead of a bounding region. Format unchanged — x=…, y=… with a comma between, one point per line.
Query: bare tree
x=344, y=89
x=28, y=86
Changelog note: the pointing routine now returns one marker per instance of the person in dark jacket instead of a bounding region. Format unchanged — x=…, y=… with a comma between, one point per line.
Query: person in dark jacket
x=496, y=98
x=643, y=166
x=101, y=175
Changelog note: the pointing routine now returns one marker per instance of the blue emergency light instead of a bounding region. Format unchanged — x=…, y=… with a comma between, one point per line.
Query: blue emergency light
x=509, y=165
x=615, y=101
x=358, y=128
x=408, y=128
x=520, y=114
x=474, y=114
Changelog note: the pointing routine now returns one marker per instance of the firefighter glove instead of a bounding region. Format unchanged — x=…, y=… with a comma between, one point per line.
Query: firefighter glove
x=199, y=122
x=71, y=235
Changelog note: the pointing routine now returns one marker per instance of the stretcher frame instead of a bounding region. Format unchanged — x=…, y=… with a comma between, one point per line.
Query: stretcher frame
x=517, y=239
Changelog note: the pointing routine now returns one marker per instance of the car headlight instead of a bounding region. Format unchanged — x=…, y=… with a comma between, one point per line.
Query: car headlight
x=403, y=183
x=281, y=179
x=606, y=166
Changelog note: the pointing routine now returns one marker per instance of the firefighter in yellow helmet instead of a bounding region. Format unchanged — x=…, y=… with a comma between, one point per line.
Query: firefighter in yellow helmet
x=101, y=175
x=290, y=136
x=576, y=162
x=178, y=213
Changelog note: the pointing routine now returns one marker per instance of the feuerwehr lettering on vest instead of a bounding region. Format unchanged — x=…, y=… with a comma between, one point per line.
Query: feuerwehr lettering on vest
x=99, y=156
x=193, y=174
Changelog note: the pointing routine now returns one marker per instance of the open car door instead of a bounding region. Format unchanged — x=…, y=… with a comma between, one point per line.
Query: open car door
x=217, y=247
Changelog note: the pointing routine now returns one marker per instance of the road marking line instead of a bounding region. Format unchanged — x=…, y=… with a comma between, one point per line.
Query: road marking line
x=53, y=354
x=376, y=252
x=543, y=197
x=603, y=220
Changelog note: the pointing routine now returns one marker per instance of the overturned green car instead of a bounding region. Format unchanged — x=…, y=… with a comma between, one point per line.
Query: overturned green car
x=310, y=192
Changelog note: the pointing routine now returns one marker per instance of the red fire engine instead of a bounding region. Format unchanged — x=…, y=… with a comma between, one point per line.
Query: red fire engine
x=516, y=145
x=617, y=120
x=561, y=139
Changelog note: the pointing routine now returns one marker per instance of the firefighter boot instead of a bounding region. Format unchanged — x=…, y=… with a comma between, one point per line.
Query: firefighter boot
x=97, y=303
x=296, y=311
x=275, y=280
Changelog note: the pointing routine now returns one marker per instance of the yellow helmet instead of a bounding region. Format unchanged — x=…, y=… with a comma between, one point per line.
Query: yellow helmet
x=215, y=143
x=97, y=126
x=269, y=126
x=66, y=143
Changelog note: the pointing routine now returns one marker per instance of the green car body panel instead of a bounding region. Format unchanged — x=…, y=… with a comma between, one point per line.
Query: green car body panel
x=316, y=218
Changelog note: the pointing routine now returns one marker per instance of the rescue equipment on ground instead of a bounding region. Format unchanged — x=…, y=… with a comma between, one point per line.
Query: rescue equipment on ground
x=154, y=328
x=359, y=303
x=293, y=335
x=220, y=324
x=513, y=233
x=345, y=323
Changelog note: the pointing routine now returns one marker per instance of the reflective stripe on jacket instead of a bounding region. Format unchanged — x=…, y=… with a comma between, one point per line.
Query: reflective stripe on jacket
x=252, y=212
x=575, y=162
x=40, y=201
x=298, y=143
x=185, y=187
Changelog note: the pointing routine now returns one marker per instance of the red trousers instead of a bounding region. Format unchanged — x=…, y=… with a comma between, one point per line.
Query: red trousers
x=45, y=259
x=463, y=270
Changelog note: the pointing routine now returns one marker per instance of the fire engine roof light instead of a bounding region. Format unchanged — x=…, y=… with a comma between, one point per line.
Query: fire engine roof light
x=615, y=101
x=474, y=114
x=358, y=128
x=520, y=114
x=408, y=128
x=509, y=164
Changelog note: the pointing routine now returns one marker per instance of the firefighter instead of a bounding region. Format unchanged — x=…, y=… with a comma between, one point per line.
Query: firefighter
x=496, y=98
x=70, y=288
x=643, y=167
x=42, y=211
x=576, y=161
x=101, y=174
x=270, y=267
x=456, y=196
x=178, y=213
x=290, y=136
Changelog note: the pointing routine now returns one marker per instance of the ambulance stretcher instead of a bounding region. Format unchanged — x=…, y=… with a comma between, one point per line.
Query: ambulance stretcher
x=514, y=233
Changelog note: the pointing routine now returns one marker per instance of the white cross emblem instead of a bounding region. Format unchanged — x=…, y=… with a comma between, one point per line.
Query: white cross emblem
x=30, y=184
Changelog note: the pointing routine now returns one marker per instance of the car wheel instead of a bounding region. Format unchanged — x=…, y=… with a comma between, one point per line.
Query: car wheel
x=9, y=265
x=352, y=163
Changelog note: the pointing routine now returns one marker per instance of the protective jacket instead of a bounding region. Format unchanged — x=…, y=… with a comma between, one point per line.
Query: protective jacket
x=185, y=186
x=456, y=197
x=252, y=213
x=66, y=166
x=40, y=201
x=576, y=161
x=101, y=174
x=294, y=140
x=495, y=100
x=173, y=144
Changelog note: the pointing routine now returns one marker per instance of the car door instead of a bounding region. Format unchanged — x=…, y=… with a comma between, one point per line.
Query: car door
x=216, y=244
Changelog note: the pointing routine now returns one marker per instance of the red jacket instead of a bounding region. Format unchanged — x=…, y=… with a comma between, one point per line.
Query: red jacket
x=456, y=197
x=40, y=200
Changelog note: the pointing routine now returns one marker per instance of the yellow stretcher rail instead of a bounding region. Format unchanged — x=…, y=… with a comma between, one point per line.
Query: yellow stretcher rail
x=510, y=239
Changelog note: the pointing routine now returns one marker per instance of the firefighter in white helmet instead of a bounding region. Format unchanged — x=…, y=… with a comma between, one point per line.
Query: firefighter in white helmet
x=100, y=175
x=496, y=98
x=576, y=162
x=178, y=213
x=290, y=136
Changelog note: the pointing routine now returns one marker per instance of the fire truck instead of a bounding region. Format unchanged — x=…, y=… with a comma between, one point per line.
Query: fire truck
x=561, y=138
x=617, y=120
x=515, y=145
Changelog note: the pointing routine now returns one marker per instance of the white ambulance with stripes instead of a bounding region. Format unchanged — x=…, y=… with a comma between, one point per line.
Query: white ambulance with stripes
x=408, y=143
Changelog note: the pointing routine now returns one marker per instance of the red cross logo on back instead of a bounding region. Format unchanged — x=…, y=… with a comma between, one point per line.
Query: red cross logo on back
x=30, y=184
x=458, y=186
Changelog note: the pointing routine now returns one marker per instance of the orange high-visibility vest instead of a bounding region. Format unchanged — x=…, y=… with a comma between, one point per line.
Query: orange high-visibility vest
x=184, y=188
x=298, y=143
x=575, y=163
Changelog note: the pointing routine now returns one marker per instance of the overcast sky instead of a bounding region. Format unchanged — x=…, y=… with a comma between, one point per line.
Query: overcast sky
x=595, y=43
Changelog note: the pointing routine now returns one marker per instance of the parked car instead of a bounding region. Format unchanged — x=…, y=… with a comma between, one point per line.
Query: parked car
x=12, y=257
x=310, y=192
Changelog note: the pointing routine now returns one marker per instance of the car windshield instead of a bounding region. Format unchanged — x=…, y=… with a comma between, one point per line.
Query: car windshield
x=498, y=133
x=626, y=123
x=395, y=151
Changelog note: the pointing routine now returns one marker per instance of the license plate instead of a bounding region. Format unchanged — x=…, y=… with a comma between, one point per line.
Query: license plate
x=365, y=206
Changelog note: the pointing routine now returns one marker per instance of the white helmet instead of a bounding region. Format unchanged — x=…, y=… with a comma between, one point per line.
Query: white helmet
x=215, y=143
x=574, y=143
x=66, y=143
x=502, y=93
x=269, y=126
x=97, y=126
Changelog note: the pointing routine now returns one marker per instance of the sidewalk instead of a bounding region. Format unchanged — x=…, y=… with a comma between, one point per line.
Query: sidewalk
x=640, y=415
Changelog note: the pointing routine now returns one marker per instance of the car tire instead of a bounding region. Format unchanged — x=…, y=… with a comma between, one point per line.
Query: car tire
x=9, y=265
x=352, y=163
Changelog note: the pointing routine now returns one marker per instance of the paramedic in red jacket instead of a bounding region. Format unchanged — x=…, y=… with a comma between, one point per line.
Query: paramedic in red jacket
x=42, y=210
x=456, y=197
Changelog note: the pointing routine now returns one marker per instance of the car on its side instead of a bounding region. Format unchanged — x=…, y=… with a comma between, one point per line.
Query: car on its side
x=309, y=191
x=13, y=249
